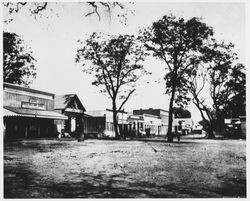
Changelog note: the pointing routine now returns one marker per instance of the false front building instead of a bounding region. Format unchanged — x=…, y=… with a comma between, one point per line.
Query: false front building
x=29, y=113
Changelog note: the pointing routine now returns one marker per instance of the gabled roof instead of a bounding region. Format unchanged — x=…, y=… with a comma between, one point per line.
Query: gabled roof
x=64, y=101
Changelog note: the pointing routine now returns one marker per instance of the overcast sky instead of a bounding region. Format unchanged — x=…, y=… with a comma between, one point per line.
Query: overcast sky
x=54, y=44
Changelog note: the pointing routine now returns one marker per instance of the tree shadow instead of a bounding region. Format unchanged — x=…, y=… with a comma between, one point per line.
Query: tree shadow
x=231, y=188
x=36, y=145
x=22, y=183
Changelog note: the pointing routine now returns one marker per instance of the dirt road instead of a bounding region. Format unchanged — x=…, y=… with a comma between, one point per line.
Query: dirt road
x=125, y=169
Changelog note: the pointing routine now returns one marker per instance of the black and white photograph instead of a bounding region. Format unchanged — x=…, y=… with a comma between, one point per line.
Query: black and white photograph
x=124, y=99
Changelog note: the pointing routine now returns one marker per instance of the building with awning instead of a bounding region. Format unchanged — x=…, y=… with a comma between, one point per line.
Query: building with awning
x=145, y=122
x=155, y=119
x=29, y=113
x=100, y=122
x=23, y=112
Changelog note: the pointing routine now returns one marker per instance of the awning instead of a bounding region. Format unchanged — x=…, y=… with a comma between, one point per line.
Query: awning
x=23, y=112
x=8, y=112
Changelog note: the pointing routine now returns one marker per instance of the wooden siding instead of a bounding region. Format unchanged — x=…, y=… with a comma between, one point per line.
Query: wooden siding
x=15, y=100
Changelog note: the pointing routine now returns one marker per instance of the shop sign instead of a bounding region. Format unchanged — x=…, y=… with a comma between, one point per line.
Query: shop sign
x=32, y=100
x=73, y=110
x=29, y=105
x=134, y=117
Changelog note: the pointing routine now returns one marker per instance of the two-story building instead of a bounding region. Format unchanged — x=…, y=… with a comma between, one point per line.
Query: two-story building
x=29, y=113
x=159, y=117
x=140, y=124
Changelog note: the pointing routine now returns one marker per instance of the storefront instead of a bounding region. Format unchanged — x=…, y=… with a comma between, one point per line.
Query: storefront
x=100, y=122
x=145, y=124
x=29, y=113
x=71, y=106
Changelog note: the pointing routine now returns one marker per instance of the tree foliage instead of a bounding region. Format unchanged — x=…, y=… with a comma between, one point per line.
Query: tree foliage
x=225, y=81
x=236, y=105
x=18, y=62
x=177, y=42
x=116, y=63
x=181, y=112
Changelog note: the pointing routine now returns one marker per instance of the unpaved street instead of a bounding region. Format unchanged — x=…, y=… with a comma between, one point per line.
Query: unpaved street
x=124, y=169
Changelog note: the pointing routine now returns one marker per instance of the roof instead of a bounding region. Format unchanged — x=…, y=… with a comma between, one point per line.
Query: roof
x=151, y=109
x=23, y=112
x=156, y=112
x=110, y=110
x=63, y=101
x=7, y=112
x=18, y=87
x=100, y=113
x=96, y=113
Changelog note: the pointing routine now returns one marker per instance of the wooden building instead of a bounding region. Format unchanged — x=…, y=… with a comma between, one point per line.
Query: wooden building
x=100, y=122
x=29, y=113
x=71, y=106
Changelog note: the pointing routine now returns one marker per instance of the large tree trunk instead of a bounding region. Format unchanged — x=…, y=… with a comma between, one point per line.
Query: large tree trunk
x=170, y=134
x=210, y=133
x=219, y=121
x=211, y=126
x=115, y=122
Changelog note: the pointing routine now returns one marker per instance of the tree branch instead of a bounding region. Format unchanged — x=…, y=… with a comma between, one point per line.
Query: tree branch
x=39, y=8
x=93, y=4
x=126, y=99
x=106, y=85
x=165, y=59
x=203, y=84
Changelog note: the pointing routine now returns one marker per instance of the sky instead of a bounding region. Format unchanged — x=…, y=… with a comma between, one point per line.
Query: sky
x=53, y=39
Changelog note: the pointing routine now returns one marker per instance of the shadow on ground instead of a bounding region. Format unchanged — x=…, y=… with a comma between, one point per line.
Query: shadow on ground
x=22, y=183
